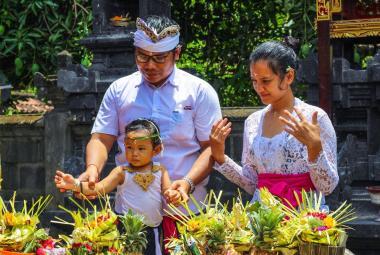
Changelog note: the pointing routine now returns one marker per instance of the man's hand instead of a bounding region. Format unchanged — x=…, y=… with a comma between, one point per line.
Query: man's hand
x=91, y=176
x=173, y=197
x=183, y=187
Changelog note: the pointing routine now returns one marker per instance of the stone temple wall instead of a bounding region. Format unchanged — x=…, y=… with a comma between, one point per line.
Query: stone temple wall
x=28, y=143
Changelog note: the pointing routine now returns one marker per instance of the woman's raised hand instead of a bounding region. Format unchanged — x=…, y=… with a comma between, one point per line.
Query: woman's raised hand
x=219, y=133
x=304, y=131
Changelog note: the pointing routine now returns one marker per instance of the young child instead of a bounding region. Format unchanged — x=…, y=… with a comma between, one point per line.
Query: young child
x=140, y=184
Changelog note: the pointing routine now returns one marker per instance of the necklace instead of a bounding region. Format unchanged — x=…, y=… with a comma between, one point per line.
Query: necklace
x=144, y=180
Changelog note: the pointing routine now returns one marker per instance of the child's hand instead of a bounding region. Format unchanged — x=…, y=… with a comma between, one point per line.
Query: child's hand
x=173, y=197
x=64, y=181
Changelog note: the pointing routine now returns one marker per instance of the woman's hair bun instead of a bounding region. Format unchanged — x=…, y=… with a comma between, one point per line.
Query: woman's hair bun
x=292, y=42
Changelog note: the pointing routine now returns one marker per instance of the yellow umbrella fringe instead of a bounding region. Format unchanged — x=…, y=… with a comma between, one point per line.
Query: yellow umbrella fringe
x=42, y=205
x=88, y=200
x=101, y=203
x=305, y=198
x=66, y=210
x=77, y=204
x=177, y=212
x=318, y=198
x=31, y=209
x=341, y=210
x=87, y=217
x=12, y=202
x=23, y=211
x=62, y=221
x=347, y=214
x=187, y=207
x=174, y=217
x=96, y=215
x=328, y=238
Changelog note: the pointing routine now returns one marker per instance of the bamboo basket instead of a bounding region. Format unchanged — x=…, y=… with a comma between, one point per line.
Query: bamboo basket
x=319, y=249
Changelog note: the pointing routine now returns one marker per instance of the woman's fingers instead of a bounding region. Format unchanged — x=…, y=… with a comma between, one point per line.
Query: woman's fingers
x=292, y=119
x=300, y=114
x=314, y=118
x=221, y=129
x=289, y=123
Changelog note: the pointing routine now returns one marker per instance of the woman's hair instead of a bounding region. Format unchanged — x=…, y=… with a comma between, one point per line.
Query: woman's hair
x=145, y=124
x=278, y=55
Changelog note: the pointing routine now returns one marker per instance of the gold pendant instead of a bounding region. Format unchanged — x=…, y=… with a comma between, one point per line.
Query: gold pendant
x=144, y=180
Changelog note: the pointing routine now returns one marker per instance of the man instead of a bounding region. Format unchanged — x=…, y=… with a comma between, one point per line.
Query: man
x=184, y=107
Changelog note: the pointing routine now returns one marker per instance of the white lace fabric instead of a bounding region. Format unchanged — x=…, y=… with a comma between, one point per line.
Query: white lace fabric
x=283, y=154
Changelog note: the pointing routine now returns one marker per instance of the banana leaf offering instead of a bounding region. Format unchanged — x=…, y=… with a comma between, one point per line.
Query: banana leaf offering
x=19, y=231
x=215, y=230
x=272, y=231
x=316, y=225
x=95, y=231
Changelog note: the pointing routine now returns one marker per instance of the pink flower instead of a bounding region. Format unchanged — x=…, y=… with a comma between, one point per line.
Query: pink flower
x=321, y=228
x=40, y=251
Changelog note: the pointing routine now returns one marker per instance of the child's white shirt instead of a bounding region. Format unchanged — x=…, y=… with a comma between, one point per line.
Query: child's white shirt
x=130, y=195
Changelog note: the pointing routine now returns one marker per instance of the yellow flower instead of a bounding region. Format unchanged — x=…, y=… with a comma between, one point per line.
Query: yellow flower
x=329, y=222
x=193, y=225
x=10, y=219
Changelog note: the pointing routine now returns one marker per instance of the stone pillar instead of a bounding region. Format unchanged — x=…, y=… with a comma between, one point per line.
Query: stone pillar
x=57, y=145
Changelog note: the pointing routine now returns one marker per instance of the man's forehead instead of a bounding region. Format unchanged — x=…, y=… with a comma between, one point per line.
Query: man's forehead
x=150, y=53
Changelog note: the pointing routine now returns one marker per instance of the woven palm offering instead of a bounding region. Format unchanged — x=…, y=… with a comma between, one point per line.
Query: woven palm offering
x=215, y=230
x=320, y=232
x=95, y=231
x=272, y=233
x=19, y=229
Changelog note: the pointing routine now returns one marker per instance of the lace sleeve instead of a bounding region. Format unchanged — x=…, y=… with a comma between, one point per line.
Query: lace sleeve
x=246, y=176
x=324, y=172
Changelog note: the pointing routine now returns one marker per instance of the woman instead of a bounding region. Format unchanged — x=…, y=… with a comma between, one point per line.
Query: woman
x=289, y=145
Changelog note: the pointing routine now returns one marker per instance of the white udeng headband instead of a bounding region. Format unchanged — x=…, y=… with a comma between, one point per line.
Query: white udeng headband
x=144, y=42
x=148, y=39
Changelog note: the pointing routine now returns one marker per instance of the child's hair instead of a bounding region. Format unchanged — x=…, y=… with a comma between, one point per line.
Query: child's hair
x=280, y=57
x=145, y=124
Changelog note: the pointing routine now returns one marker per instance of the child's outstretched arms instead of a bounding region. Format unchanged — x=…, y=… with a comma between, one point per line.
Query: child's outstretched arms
x=66, y=181
x=105, y=186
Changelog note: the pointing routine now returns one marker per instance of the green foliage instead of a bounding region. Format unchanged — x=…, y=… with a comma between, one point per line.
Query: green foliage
x=33, y=32
x=219, y=36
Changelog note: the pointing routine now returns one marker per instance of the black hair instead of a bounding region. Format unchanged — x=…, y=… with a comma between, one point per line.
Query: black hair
x=159, y=23
x=145, y=124
x=278, y=55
